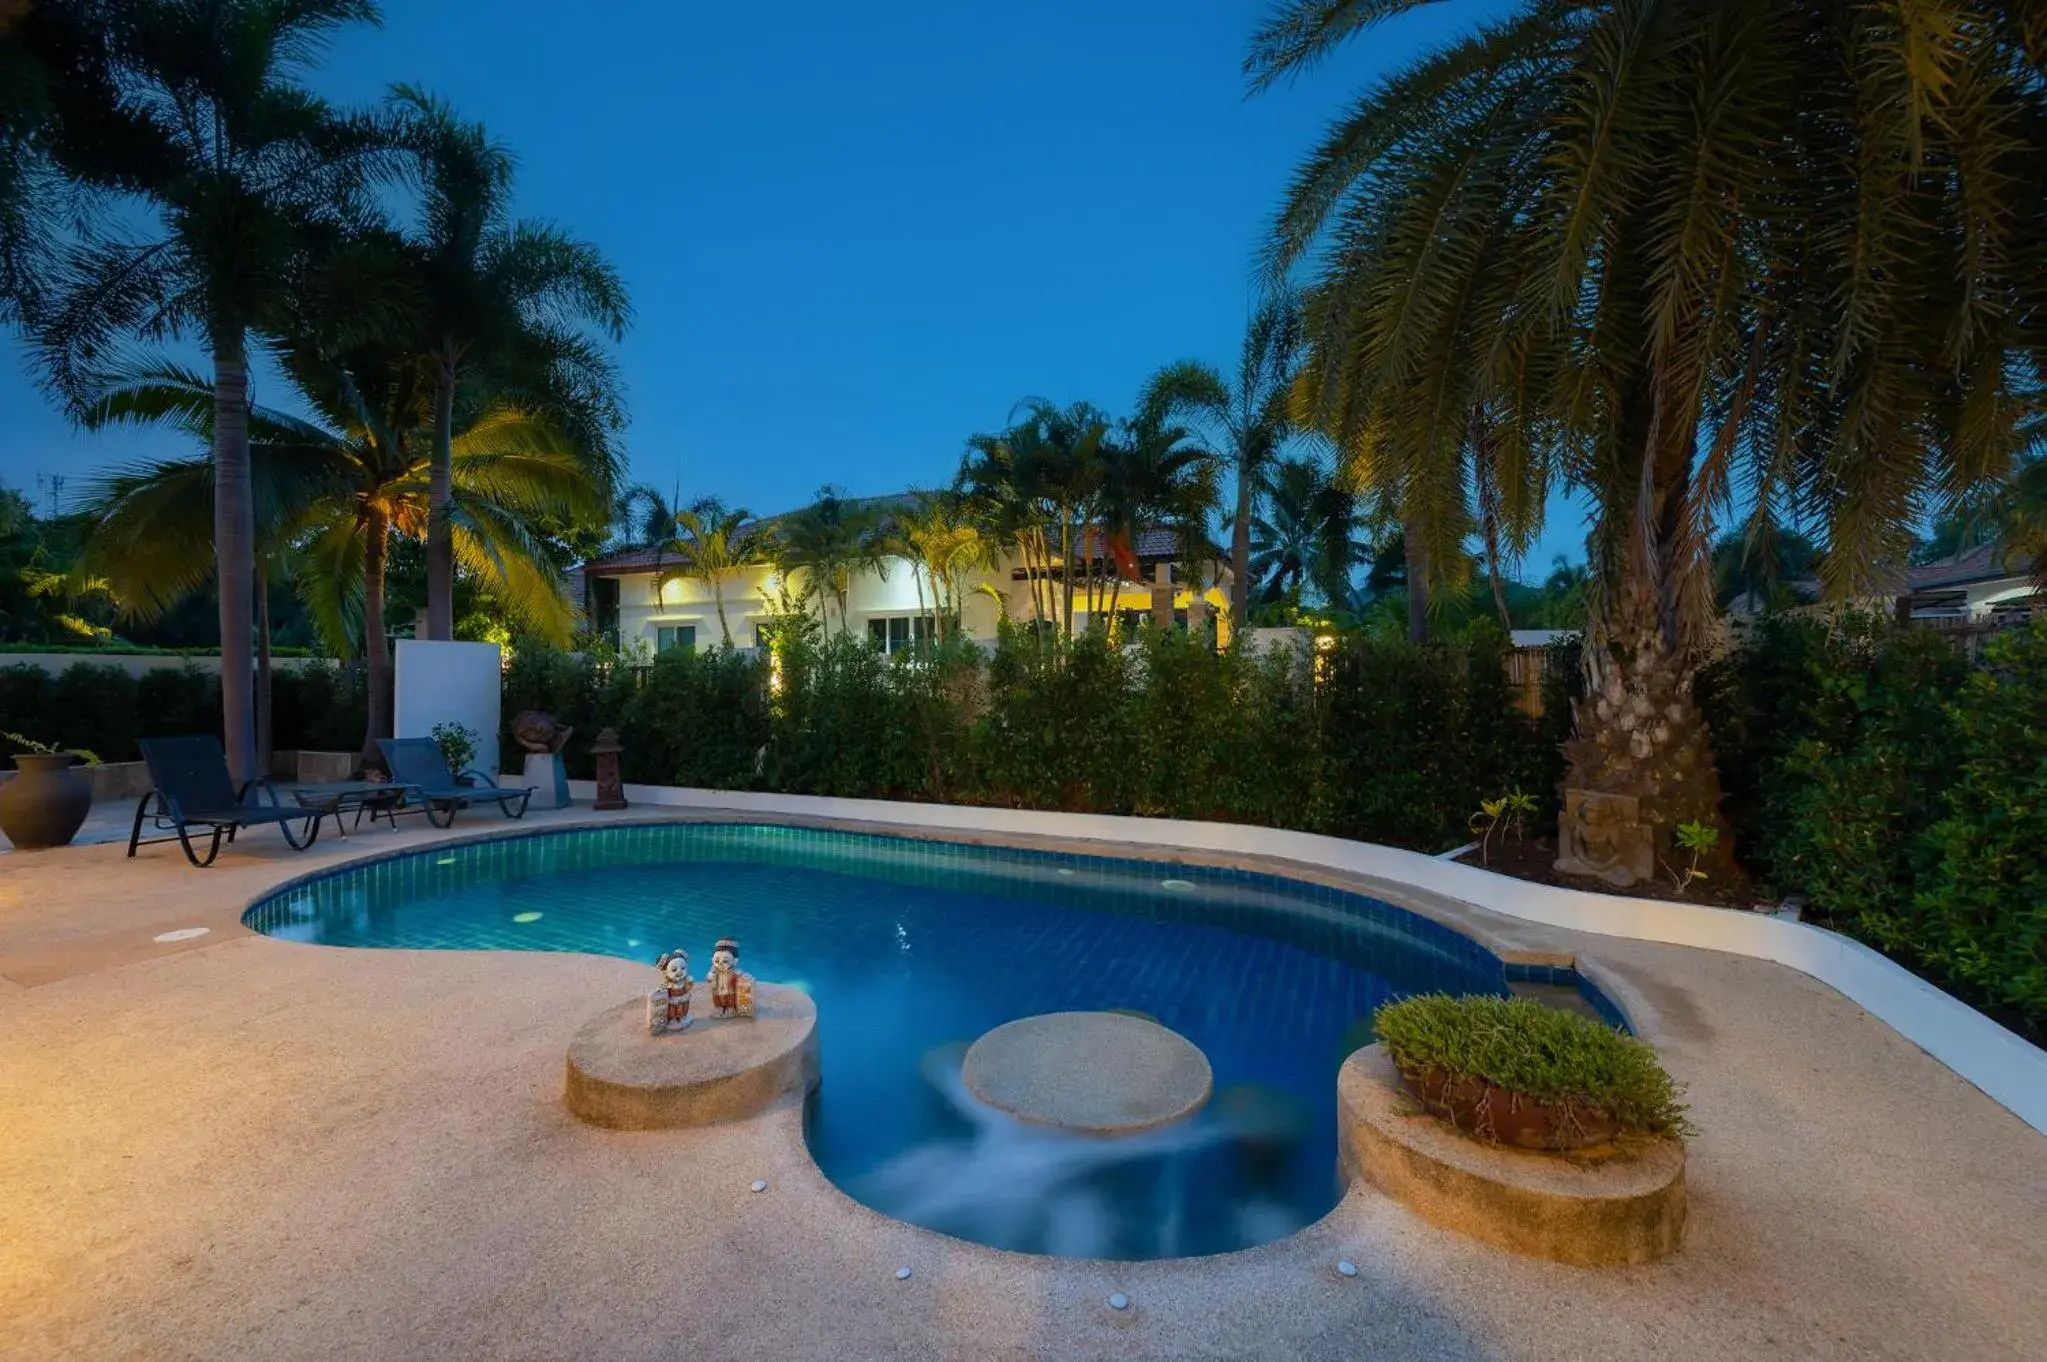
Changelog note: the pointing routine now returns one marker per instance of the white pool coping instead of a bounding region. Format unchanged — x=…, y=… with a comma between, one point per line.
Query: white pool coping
x=2007, y=1068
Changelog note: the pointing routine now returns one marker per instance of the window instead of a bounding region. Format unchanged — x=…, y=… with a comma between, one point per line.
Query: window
x=668, y=636
x=894, y=635
x=604, y=606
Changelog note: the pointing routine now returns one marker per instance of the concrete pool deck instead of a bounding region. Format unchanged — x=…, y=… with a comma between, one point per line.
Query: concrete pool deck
x=231, y=1146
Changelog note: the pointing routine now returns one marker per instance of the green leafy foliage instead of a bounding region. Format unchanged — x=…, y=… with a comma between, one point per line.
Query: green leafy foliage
x=1873, y=770
x=1555, y=1057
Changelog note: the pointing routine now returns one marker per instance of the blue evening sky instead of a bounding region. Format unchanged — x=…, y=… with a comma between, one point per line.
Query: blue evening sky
x=855, y=233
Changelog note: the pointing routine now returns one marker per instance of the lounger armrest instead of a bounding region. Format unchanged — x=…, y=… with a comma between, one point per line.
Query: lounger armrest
x=481, y=777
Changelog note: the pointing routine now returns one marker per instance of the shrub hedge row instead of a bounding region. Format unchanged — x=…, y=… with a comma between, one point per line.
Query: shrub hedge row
x=1393, y=743
x=103, y=709
x=1902, y=790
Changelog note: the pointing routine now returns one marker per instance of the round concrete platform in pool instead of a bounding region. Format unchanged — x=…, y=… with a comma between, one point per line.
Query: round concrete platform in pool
x=912, y=949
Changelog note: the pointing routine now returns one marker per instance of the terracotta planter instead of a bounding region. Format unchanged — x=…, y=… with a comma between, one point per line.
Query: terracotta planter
x=46, y=804
x=1479, y=1108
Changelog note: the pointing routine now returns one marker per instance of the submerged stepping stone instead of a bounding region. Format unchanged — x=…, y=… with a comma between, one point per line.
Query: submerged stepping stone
x=1106, y=1073
x=719, y=1069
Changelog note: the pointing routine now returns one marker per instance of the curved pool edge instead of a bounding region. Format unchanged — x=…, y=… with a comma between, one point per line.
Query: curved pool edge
x=1998, y=1062
x=1608, y=994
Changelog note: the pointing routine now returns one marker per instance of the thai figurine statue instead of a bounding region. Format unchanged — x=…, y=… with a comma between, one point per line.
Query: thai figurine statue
x=668, y=1005
x=731, y=990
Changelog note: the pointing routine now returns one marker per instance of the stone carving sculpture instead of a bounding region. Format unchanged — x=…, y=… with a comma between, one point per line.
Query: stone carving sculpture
x=668, y=1005
x=1602, y=835
x=538, y=732
x=731, y=990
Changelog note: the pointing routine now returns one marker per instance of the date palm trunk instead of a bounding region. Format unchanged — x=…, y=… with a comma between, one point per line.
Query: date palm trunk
x=1640, y=746
x=440, y=541
x=376, y=649
x=234, y=535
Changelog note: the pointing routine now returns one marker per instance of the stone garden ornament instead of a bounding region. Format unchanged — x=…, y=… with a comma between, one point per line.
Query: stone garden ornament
x=538, y=732
x=668, y=1005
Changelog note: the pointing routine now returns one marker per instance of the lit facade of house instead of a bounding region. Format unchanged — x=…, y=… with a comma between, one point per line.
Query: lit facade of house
x=644, y=600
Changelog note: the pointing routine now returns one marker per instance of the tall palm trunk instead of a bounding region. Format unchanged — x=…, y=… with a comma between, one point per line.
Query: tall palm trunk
x=234, y=536
x=718, y=595
x=440, y=541
x=1240, y=553
x=263, y=673
x=376, y=651
x=1417, y=583
x=1066, y=573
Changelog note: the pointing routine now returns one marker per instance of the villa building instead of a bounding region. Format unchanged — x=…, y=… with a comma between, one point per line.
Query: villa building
x=647, y=598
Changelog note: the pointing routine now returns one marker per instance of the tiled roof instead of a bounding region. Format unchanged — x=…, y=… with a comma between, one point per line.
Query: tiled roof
x=1981, y=562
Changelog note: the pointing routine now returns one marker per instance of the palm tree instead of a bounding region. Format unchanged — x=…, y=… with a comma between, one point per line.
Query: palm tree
x=1653, y=249
x=503, y=303
x=1311, y=536
x=245, y=172
x=1155, y=472
x=714, y=543
x=829, y=542
x=1250, y=422
x=332, y=495
x=1004, y=481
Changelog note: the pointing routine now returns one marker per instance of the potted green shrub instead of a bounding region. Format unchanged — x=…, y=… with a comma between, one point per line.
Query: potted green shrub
x=458, y=748
x=46, y=804
x=1516, y=1072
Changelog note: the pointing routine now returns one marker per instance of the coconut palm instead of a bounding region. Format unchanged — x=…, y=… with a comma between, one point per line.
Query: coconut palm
x=1658, y=249
x=243, y=173
x=503, y=303
x=1005, y=481
x=1311, y=535
x=1250, y=421
x=713, y=543
x=332, y=495
x=1155, y=472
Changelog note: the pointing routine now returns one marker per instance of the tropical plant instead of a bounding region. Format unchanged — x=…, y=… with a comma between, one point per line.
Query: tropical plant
x=1310, y=536
x=1653, y=249
x=829, y=542
x=457, y=743
x=1250, y=422
x=23, y=743
x=243, y=175
x=1699, y=839
x=333, y=494
x=1502, y=815
x=503, y=304
x=938, y=536
x=714, y=542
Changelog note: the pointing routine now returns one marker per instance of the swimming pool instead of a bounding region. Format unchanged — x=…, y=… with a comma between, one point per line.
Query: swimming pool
x=912, y=948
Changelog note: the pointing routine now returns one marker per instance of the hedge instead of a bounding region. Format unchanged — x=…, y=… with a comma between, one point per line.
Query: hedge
x=103, y=709
x=1902, y=790
x=1393, y=743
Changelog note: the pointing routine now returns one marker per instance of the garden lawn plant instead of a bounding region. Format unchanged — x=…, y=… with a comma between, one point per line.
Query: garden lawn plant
x=1556, y=1058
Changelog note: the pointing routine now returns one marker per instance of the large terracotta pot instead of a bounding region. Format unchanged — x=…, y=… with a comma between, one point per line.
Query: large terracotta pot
x=1479, y=1108
x=46, y=804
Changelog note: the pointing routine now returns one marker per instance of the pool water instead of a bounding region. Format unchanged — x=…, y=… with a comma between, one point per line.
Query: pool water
x=913, y=948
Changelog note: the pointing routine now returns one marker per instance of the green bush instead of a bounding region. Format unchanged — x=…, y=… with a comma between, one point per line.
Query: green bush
x=171, y=702
x=1557, y=1058
x=1870, y=768
x=1979, y=918
x=25, y=703
x=94, y=706
x=697, y=719
x=320, y=707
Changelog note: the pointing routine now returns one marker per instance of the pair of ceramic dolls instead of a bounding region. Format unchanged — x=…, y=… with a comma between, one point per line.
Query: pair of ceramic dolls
x=731, y=990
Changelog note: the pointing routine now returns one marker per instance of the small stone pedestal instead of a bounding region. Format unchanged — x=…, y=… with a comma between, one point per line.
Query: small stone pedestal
x=549, y=781
x=1595, y=1207
x=1103, y=1073
x=719, y=1069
